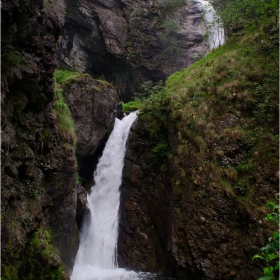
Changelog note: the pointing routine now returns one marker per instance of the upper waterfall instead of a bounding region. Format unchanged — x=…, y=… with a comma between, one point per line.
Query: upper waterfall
x=216, y=33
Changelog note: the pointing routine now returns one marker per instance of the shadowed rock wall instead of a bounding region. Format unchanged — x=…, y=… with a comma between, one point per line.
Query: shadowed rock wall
x=38, y=199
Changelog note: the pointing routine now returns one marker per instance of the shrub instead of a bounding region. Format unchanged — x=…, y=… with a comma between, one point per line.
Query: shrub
x=169, y=6
x=171, y=43
x=131, y=106
x=148, y=88
x=12, y=58
x=269, y=253
x=246, y=12
x=161, y=150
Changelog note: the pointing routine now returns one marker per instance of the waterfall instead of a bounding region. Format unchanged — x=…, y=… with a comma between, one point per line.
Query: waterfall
x=216, y=35
x=96, y=258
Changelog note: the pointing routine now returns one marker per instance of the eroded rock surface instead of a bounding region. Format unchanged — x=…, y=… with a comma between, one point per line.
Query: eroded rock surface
x=93, y=104
x=38, y=199
x=129, y=42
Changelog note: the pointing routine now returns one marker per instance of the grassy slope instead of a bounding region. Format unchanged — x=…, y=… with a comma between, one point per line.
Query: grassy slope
x=227, y=100
x=221, y=119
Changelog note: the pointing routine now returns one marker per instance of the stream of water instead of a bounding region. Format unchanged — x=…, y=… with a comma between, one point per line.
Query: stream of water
x=96, y=258
x=216, y=34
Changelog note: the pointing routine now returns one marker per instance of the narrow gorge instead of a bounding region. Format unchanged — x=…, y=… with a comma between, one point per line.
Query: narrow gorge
x=190, y=191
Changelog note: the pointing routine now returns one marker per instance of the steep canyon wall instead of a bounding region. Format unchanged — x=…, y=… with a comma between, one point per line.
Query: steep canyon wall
x=38, y=167
x=40, y=199
x=129, y=42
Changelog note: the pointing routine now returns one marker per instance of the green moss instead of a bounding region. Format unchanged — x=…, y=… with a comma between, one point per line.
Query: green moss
x=64, y=121
x=104, y=83
x=131, y=106
x=12, y=58
x=62, y=76
x=37, y=260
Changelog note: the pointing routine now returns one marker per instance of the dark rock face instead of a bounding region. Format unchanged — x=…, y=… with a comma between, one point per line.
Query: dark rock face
x=81, y=204
x=124, y=40
x=191, y=229
x=93, y=105
x=149, y=219
x=38, y=202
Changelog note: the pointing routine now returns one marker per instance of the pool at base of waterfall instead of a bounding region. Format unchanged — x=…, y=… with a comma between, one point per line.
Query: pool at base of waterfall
x=88, y=272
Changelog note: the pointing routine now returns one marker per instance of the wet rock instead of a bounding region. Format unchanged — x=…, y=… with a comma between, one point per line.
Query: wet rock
x=82, y=198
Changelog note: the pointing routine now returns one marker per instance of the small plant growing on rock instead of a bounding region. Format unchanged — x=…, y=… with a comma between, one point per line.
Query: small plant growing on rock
x=169, y=39
x=12, y=58
x=270, y=252
x=64, y=119
x=161, y=150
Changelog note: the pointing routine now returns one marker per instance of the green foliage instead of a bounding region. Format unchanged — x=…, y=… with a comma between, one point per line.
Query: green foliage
x=155, y=115
x=34, y=192
x=244, y=167
x=47, y=4
x=131, y=106
x=39, y=260
x=47, y=134
x=62, y=76
x=161, y=150
x=269, y=253
x=169, y=6
x=11, y=58
x=170, y=27
x=242, y=188
x=247, y=12
x=148, y=88
x=214, y=107
x=265, y=100
x=171, y=43
x=41, y=247
x=274, y=215
x=64, y=119
x=79, y=179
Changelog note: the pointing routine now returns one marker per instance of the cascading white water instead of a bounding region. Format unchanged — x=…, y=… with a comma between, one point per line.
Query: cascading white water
x=99, y=236
x=96, y=258
x=216, y=34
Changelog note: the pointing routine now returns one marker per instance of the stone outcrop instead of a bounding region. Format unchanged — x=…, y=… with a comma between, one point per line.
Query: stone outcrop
x=191, y=229
x=129, y=42
x=38, y=197
x=93, y=104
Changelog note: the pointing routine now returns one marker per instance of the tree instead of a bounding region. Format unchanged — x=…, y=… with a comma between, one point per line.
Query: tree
x=246, y=12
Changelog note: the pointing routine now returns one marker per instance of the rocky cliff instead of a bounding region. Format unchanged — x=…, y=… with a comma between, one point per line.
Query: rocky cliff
x=201, y=167
x=38, y=202
x=191, y=229
x=38, y=173
x=129, y=42
x=94, y=105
